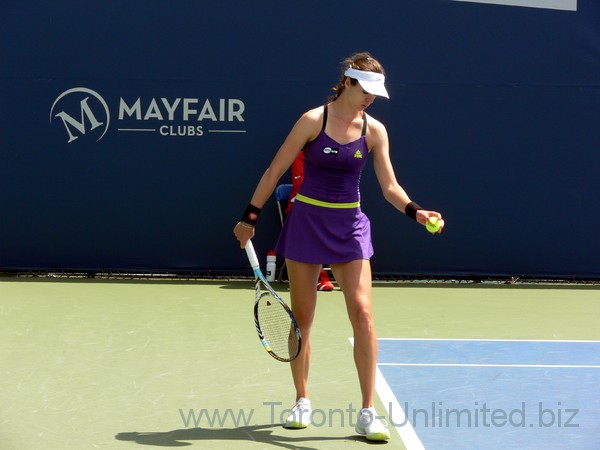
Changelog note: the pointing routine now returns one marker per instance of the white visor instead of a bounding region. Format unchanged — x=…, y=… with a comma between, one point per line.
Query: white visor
x=372, y=82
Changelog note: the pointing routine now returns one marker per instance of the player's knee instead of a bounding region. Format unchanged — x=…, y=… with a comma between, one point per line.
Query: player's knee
x=304, y=321
x=362, y=320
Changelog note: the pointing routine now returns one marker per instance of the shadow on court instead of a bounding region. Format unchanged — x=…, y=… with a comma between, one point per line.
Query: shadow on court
x=256, y=434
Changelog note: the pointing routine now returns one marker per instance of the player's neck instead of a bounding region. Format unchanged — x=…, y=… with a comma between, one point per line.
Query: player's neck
x=344, y=111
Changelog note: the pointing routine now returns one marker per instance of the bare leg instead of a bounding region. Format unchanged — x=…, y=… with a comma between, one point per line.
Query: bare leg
x=355, y=280
x=303, y=278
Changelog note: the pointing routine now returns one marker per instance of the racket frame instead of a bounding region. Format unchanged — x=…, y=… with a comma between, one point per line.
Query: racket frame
x=260, y=280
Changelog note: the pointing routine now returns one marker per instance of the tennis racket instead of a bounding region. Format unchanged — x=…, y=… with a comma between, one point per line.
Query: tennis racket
x=275, y=323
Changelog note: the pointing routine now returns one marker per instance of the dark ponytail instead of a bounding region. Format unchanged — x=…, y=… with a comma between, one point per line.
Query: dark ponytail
x=360, y=61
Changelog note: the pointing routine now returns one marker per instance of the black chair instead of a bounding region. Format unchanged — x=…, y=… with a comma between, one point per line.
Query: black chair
x=282, y=195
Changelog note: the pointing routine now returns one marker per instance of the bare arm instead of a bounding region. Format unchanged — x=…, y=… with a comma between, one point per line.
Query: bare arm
x=305, y=129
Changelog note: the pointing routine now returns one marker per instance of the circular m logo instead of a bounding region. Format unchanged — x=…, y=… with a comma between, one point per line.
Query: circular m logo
x=82, y=112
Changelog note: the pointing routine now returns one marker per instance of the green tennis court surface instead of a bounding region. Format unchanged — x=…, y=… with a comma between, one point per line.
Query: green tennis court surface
x=104, y=364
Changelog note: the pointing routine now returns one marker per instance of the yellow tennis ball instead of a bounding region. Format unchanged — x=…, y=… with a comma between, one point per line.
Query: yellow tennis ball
x=433, y=224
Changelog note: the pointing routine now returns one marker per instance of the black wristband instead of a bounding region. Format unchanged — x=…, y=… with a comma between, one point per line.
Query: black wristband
x=251, y=214
x=411, y=210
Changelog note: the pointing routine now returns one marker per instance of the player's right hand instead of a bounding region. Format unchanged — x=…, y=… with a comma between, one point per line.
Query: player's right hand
x=243, y=232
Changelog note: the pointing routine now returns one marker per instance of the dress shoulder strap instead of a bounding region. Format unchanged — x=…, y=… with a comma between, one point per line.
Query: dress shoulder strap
x=324, y=117
x=364, y=128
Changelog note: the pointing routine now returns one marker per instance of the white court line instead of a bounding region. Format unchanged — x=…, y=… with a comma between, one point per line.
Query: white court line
x=406, y=431
x=484, y=340
x=548, y=366
x=534, y=366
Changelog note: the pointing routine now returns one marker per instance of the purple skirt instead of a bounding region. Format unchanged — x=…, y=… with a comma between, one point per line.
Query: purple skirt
x=317, y=235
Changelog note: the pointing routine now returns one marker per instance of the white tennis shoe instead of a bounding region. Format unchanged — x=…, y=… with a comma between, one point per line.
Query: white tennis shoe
x=299, y=416
x=372, y=426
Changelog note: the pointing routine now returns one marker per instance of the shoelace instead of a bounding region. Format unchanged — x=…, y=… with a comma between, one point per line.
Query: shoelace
x=383, y=422
x=300, y=405
x=374, y=418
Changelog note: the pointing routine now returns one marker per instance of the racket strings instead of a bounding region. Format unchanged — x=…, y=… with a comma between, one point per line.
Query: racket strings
x=277, y=328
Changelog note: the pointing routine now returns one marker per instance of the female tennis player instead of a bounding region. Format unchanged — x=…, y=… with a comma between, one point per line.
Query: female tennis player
x=326, y=224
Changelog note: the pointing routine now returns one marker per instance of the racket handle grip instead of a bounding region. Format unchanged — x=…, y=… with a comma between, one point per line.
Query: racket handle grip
x=251, y=255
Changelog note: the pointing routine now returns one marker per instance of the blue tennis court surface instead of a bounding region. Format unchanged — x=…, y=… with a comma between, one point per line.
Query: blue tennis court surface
x=491, y=394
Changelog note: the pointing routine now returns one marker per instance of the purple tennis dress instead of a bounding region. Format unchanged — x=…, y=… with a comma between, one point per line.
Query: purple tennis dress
x=326, y=224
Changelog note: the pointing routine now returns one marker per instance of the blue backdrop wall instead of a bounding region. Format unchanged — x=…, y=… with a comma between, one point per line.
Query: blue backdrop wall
x=134, y=132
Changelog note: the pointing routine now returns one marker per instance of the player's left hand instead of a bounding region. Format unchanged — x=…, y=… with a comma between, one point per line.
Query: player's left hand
x=424, y=215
